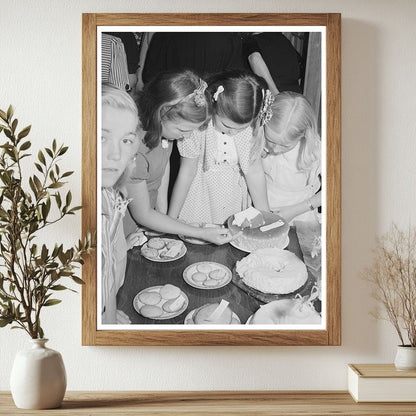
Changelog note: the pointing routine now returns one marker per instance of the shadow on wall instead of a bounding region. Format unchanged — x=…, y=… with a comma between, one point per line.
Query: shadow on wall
x=361, y=189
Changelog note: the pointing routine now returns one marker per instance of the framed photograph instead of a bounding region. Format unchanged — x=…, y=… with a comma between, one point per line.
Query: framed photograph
x=277, y=282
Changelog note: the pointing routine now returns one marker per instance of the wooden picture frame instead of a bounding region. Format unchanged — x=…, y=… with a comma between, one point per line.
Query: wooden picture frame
x=331, y=334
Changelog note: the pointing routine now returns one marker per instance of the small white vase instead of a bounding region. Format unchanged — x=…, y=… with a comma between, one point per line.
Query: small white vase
x=405, y=358
x=38, y=377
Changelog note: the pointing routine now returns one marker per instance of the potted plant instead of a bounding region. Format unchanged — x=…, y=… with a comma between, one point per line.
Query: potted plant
x=31, y=272
x=393, y=277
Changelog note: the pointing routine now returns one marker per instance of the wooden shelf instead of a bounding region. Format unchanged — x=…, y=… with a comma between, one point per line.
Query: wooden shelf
x=221, y=403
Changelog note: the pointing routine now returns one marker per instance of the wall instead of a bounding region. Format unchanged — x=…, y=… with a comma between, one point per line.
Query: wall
x=40, y=74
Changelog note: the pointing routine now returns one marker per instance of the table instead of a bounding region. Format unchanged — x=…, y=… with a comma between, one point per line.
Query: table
x=212, y=403
x=142, y=273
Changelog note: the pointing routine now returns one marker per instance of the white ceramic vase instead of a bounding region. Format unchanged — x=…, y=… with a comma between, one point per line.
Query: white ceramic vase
x=38, y=377
x=405, y=358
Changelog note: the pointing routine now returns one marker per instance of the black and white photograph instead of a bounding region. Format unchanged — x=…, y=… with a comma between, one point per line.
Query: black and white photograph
x=211, y=178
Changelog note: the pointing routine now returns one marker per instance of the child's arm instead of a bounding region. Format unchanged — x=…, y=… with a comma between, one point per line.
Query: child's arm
x=162, y=193
x=187, y=172
x=259, y=67
x=292, y=211
x=256, y=183
x=142, y=212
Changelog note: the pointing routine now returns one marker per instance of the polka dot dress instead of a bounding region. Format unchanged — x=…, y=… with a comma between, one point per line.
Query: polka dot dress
x=219, y=188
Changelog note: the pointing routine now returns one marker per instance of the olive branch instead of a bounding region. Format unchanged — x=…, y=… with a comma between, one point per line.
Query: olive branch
x=31, y=274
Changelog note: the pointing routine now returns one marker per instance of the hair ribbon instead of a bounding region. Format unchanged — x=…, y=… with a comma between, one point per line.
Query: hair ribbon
x=220, y=89
x=266, y=112
x=199, y=93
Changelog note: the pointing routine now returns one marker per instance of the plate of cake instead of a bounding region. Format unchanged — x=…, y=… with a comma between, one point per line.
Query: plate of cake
x=163, y=249
x=207, y=275
x=269, y=274
x=160, y=302
x=212, y=314
x=258, y=229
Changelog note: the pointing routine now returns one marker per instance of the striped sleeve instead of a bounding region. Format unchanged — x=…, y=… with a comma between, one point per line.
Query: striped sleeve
x=114, y=62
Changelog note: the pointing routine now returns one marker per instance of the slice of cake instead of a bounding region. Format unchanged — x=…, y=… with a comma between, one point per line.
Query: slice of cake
x=258, y=231
x=249, y=218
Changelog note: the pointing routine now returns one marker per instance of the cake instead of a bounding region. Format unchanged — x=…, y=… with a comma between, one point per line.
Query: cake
x=272, y=270
x=259, y=229
x=286, y=312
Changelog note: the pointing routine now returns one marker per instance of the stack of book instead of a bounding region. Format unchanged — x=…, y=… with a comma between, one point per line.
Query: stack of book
x=381, y=383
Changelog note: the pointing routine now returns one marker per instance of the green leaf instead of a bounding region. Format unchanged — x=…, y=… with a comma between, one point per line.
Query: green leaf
x=44, y=253
x=40, y=332
x=39, y=167
x=33, y=187
x=3, y=115
x=14, y=125
x=37, y=183
x=63, y=150
x=59, y=287
x=8, y=133
x=77, y=208
x=10, y=112
x=78, y=280
x=58, y=199
x=5, y=321
x=24, y=132
x=54, y=145
x=66, y=273
x=56, y=185
x=68, y=199
x=51, y=302
x=67, y=174
x=25, y=145
x=41, y=157
x=45, y=211
x=49, y=152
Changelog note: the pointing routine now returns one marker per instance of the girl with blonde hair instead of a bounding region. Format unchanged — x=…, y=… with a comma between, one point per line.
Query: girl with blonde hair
x=292, y=162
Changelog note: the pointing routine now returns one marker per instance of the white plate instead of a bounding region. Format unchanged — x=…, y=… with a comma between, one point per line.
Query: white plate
x=164, y=260
x=191, y=269
x=234, y=244
x=189, y=319
x=137, y=305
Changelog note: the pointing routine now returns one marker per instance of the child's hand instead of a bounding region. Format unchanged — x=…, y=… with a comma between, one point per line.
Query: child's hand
x=288, y=213
x=217, y=236
x=135, y=239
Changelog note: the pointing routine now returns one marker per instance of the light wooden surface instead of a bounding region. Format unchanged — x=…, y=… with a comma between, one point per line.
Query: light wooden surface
x=332, y=334
x=212, y=403
x=381, y=371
